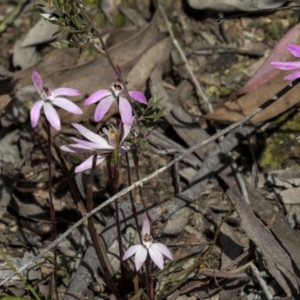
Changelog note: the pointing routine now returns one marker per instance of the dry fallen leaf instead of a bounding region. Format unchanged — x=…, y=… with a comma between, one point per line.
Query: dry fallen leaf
x=290, y=196
x=235, y=110
x=156, y=55
x=265, y=72
x=43, y=31
x=235, y=5
x=266, y=83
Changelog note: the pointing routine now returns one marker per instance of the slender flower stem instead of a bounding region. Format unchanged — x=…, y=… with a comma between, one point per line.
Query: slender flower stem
x=149, y=266
x=136, y=166
x=148, y=269
x=73, y=187
x=94, y=235
x=151, y=283
x=149, y=276
x=134, y=213
x=52, y=208
x=109, y=172
x=115, y=163
x=133, y=208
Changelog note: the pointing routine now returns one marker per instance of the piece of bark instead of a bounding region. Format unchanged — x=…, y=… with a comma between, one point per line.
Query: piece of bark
x=15, y=146
x=132, y=15
x=186, y=127
x=287, y=236
x=279, y=263
x=158, y=54
x=161, y=141
x=230, y=6
x=211, y=163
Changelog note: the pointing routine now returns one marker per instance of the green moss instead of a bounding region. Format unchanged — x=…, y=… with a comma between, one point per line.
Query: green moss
x=293, y=20
x=276, y=30
x=282, y=149
x=219, y=91
x=119, y=20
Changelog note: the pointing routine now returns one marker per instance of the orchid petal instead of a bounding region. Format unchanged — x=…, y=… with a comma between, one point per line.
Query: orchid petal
x=126, y=130
x=95, y=97
x=64, y=91
x=93, y=137
x=124, y=149
x=88, y=163
x=35, y=112
x=156, y=256
x=93, y=146
x=67, y=105
x=146, y=225
x=286, y=65
x=103, y=107
x=163, y=249
x=138, y=96
x=52, y=115
x=37, y=81
x=294, y=49
x=140, y=257
x=292, y=76
x=125, y=110
x=75, y=148
x=90, y=145
x=131, y=251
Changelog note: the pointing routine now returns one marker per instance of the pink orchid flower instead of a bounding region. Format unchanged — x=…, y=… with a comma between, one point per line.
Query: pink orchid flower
x=50, y=98
x=98, y=144
x=107, y=97
x=290, y=65
x=155, y=250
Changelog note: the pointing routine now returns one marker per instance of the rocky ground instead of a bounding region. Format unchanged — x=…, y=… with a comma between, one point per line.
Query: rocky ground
x=211, y=73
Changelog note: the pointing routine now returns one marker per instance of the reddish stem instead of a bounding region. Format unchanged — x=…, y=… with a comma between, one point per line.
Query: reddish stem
x=133, y=208
x=94, y=235
x=52, y=208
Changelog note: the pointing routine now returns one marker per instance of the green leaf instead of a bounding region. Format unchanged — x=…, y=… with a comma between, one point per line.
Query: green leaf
x=57, y=5
x=142, y=144
x=43, y=4
x=77, y=22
